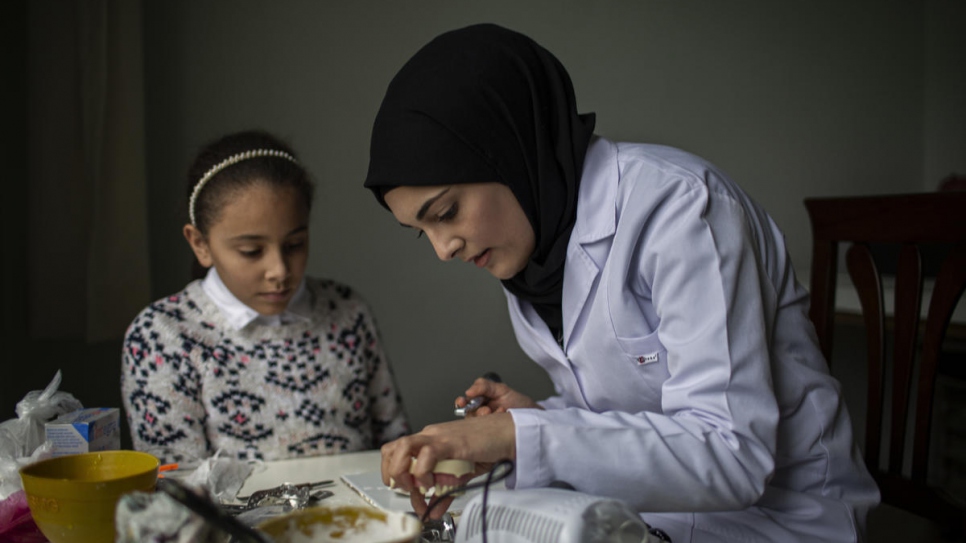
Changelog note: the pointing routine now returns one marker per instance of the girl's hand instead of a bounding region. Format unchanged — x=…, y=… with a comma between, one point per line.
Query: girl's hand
x=499, y=398
x=481, y=440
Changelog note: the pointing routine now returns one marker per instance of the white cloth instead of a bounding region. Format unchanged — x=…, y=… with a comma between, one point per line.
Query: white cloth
x=238, y=315
x=691, y=384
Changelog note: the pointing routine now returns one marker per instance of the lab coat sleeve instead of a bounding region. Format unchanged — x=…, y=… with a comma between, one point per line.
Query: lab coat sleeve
x=712, y=446
x=553, y=402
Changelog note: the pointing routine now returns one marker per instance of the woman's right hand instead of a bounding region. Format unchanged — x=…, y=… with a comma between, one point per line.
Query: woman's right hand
x=499, y=398
x=482, y=440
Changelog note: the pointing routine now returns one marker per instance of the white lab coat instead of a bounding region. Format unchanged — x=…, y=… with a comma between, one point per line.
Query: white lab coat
x=690, y=384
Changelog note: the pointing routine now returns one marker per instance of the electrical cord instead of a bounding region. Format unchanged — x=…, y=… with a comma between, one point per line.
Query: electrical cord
x=493, y=476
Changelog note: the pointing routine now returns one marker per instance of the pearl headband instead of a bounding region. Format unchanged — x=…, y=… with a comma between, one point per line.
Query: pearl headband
x=234, y=159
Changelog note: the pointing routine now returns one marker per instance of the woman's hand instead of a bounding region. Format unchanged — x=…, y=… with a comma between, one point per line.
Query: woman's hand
x=499, y=398
x=481, y=440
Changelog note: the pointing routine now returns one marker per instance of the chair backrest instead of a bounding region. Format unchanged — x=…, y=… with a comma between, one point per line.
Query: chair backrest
x=914, y=223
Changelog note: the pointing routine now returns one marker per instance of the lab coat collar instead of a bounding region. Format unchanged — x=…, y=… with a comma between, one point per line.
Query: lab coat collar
x=596, y=213
x=596, y=221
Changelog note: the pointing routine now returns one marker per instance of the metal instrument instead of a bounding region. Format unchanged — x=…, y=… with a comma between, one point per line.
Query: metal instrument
x=472, y=404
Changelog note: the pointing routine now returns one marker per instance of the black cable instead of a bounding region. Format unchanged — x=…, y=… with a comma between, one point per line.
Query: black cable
x=486, y=490
x=210, y=511
x=491, y=478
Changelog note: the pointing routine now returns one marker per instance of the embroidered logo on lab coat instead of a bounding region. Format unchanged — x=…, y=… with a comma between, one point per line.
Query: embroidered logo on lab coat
x=647, y=359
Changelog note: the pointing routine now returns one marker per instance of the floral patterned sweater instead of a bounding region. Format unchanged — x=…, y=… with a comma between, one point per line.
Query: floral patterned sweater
x=192, y=385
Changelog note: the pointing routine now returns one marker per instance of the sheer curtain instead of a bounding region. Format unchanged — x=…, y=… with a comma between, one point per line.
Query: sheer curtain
x=87, y=252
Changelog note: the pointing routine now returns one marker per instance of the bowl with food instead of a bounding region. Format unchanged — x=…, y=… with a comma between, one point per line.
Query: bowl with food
x=344, y=524
x=72, y=498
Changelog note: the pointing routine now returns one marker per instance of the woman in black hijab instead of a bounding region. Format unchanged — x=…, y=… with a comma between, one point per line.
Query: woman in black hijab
x=656, y=294
x=441, y=124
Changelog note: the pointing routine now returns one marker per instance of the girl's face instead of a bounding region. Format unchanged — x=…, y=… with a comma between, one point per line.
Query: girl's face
x=259, y=245
x=479, y=223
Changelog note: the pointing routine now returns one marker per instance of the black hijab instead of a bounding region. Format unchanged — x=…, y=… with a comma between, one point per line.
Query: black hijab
x=483, y=104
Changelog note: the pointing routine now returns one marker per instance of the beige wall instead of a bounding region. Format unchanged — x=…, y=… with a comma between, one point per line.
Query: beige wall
x=793, y=99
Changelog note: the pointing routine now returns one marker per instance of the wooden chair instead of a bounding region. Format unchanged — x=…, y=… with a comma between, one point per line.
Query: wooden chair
x=913, y=222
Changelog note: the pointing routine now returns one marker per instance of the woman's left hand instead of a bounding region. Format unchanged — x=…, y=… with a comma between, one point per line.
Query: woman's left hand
x=499, y=398
x=481, y=440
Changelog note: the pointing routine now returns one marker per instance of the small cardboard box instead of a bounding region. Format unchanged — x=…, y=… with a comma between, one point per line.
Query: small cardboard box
x=85, y=430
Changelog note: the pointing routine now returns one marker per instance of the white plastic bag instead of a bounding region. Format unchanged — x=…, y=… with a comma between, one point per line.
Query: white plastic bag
x=221, y=476
x=155, y=516
x=23, y=439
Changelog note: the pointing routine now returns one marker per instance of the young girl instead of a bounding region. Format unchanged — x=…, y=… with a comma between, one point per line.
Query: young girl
x=656, y=294
x=256, y=359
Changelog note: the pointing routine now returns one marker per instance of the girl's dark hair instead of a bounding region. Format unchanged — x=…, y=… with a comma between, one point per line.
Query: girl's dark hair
x=272, y=170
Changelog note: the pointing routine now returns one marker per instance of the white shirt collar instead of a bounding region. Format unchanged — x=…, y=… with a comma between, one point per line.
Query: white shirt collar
x=240, y=315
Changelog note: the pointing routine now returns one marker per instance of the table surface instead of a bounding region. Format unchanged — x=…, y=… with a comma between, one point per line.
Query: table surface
x=315, y=468
x=368, y=488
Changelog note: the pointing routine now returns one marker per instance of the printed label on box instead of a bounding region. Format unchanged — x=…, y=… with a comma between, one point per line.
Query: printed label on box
x=85, y=430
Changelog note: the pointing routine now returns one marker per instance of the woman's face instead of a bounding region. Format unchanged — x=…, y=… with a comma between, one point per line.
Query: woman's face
x=259, y=245
x=479, y=223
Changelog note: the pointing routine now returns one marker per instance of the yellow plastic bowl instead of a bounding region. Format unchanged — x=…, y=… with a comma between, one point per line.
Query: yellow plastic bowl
x=347, y=524
x=72, y=498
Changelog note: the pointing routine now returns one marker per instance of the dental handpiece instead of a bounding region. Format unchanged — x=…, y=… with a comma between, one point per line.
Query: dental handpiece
x=474, y=403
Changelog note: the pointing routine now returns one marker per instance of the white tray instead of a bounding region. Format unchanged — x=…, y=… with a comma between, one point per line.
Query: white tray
x=369, y=485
